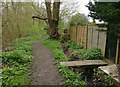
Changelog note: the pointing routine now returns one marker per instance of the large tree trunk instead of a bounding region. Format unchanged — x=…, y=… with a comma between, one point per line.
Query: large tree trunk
x=56, y=8
x=53, y=18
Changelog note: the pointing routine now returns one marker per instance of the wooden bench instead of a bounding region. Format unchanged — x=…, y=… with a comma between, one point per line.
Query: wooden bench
x=84, y=63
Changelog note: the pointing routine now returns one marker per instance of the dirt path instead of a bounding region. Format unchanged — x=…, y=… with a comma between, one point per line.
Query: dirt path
x=44, y=71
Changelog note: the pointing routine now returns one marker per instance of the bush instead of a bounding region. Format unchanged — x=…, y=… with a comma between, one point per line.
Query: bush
x=23, y=47
x=73, y=45
x=93, y=53
x=18, y=56
x=16, y=75
x=75, y=56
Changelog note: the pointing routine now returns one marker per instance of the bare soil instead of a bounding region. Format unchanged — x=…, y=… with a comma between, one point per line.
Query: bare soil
x=44, y=71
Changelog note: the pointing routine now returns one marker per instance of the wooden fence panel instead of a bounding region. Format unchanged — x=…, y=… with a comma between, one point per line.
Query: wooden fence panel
x=78, y=35
x=95, y=36
x=88, y=36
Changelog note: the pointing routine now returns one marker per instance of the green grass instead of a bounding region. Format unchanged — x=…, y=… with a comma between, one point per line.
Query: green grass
x=16, y=62
x=71, y=77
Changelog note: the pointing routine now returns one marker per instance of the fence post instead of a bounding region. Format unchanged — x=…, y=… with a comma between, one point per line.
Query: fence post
x=92, y=35
x=117, y=52
x=76, y=34
x=105, y=44
x=98, y=39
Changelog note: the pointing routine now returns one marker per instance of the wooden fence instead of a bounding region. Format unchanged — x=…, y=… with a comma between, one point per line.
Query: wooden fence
x=89, y=36
x=118, y=52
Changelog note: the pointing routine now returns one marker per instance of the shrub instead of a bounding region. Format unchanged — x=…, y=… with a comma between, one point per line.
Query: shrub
x=75, y=56
x=23, y=47
x=16, y=55
x=93, y=53
x=73, y=45
x=14, y=76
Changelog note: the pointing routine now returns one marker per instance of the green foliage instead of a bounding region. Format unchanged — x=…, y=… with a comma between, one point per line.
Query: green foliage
x=77, y=55
x=109, y=80
x=19, y=56
x=16, y=63
x=78, y=19
x=111, y=11
x=80, y=53
x=73, y=45
x=61, y=24
x=23, y=47
x=17, y=21
x=16, y=75
x=106, y=79
x=107, y=12
x=27, y=40
x=71, y=77
x=93, y=53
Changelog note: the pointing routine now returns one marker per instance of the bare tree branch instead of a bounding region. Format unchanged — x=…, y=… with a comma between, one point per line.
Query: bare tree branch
x=39, y=18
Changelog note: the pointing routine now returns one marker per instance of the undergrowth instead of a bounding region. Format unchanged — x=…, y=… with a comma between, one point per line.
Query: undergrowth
x=16, y=62
x=87, y=54
x=71, y=77
x=72, y=45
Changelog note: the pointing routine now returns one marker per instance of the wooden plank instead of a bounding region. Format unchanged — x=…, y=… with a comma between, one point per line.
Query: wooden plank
x=92, y=36
x=83, y=36
x=71, y=33
x=119, y=55
x=84, y=63
x=117, y=52
x=80, y=34
x=105, y=44
x=112, y=71
x=86, y=35
x=98, y=39
x=76, y=34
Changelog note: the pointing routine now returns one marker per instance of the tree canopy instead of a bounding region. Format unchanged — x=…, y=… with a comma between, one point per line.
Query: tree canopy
x=108, y=12
x=78, y=19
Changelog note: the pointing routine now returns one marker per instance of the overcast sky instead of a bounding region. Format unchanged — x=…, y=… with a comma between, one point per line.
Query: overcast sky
x=83, y=9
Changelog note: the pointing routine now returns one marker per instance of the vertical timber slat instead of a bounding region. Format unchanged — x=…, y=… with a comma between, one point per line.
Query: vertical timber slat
x=98, y=39
x=86, y=35
x=105, y=44
x=92, y=36
x=117, y=52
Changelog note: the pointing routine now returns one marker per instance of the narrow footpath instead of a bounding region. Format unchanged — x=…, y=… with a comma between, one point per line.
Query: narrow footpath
x=44, y=71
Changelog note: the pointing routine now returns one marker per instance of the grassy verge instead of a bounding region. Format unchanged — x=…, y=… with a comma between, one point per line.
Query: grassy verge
x=16, y=62
x=71, y=77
